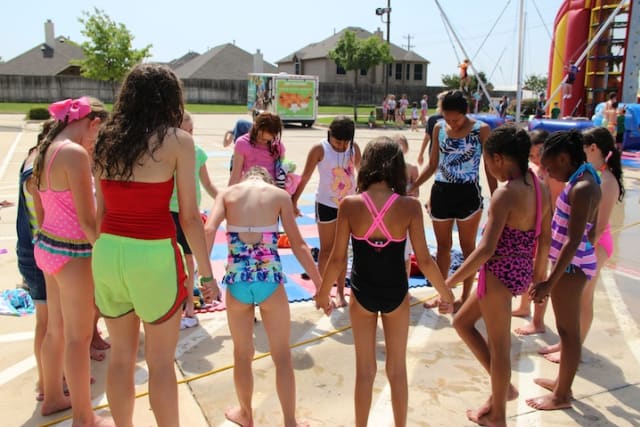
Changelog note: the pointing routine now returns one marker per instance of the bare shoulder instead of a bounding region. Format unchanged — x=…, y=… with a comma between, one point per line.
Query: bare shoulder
x=72, y=152
x=609, y=183
x=409, y=204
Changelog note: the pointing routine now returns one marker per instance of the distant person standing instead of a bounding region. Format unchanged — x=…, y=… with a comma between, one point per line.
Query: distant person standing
x=540, y=106
x=555, y=111
x=622, y=112
x=424, y=109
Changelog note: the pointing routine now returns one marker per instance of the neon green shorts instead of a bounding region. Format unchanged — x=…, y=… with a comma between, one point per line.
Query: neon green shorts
x=145, y=276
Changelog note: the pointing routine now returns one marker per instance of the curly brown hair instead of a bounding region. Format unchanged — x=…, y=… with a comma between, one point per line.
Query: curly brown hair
x=267, y=122
x=383, y=161
x=150, y=102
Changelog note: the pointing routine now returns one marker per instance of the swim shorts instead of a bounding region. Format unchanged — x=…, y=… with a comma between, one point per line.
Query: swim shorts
x=145, y=276
x=454, y=200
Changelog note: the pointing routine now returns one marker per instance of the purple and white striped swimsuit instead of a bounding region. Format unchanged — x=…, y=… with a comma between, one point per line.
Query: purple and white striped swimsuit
x=585, y=257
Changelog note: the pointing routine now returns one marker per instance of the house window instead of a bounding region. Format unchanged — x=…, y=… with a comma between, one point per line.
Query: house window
x=398, y=71
x=340, y=70
x=389, y=69
x=408, y=72
x=297, y=66
x=363, y=71
x=417, y=71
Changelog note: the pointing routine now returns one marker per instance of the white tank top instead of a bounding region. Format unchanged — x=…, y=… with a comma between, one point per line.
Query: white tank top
x=337, y=176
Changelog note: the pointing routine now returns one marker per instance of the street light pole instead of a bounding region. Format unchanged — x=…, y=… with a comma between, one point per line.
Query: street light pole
x=387, y=67
x=386, y=76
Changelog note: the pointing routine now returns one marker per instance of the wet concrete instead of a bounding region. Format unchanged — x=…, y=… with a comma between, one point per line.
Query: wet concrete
x=444, y=377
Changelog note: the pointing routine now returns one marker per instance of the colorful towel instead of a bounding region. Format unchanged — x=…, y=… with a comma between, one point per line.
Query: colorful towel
x=16, y=302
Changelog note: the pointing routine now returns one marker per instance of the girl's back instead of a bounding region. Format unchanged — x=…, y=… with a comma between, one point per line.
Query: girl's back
x=397, y=219
x=521, y=202
x=253, y=202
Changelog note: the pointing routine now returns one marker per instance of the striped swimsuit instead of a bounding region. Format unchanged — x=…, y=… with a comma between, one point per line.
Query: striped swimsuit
x=585, y=257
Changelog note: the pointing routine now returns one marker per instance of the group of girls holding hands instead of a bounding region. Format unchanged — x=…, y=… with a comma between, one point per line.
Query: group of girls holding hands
x=118, y=242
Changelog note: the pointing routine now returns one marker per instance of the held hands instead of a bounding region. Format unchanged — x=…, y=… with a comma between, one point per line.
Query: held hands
x=324, y=303
x=539, y=292
x=445, y=306
x=209, y=289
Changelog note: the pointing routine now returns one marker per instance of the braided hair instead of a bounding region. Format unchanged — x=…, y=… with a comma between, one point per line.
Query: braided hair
x=513, y=142
x=567, y=141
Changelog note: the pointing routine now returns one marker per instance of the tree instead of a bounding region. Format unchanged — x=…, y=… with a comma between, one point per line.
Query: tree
x=108, y=52
x=536, y=84
x=352, y=53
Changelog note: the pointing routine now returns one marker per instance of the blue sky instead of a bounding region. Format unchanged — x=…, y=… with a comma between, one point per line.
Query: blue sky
x=280, y=27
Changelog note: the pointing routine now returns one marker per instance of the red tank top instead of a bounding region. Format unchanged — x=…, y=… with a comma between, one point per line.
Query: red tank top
x=139, y=210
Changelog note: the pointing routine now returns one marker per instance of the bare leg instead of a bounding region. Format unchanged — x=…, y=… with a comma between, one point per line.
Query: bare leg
x=465, y=324
x=524, y=307
x=467, y=233
x=78, y=313
x=159, y=348
x=189, y=310
x=124, y=333
x=277, y=322
x=240, y=317
x=536, y=326
x=364, y=324
x=565, y=297
x=40, y=331
x=495, y=307
x=444, y=242
x=396, y=332
x=326, y=233
x=98, y=345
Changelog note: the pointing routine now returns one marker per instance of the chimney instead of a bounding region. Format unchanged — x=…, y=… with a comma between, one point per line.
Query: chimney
x=258, y=62
x=49, y=35
x=378, y=33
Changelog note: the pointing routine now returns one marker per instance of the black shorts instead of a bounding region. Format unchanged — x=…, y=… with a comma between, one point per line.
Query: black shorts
x=619, y=137
x=180, y=237
x=326, y=213
x=34, y=278
x=455, y=201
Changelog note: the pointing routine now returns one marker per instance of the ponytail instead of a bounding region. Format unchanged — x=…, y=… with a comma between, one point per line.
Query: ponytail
x=603, y=139
x=42, y=147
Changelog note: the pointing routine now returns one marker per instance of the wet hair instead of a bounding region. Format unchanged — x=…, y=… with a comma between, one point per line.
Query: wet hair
x=513, y=142
x=150, y=103
x=454, y=100
x=382, y=161
x=538, y=136
x=566, y=141
x=267, y=122
x=260, y=172
x=603, y=139
x=52, y=128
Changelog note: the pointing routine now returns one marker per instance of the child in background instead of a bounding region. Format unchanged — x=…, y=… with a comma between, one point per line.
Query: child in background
x=338, y=160
x=572, y=254
x=517, y=229
x=555, y=111
x=414, y=117
x=554, y=187
x=412, y=174
x=254, y=276
x=464, y=75
x=202, y=179
x=66, y=211
x=372, y=119
x=26, y=228
x=620, y=118
x=603, y=155
x=378, y=220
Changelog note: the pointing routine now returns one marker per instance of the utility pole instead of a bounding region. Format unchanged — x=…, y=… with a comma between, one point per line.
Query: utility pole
x=408, y=45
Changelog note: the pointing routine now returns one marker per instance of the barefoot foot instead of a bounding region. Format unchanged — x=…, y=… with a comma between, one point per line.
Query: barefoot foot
x=549, y=349
x=52, y=407
x=96, y=354
x=98, y=342
x=512, y=393
x=238, y=416
x=553, y=357
x=521, y=312
x=483, y=416
x=548, y=384
x=530, y=329
x=549, y=402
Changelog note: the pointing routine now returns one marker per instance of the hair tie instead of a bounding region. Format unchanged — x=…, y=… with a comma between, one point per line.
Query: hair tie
x=70, y=110
x=608, y=156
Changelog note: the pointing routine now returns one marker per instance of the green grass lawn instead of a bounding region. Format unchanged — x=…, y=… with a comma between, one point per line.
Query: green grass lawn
x=23, y=108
